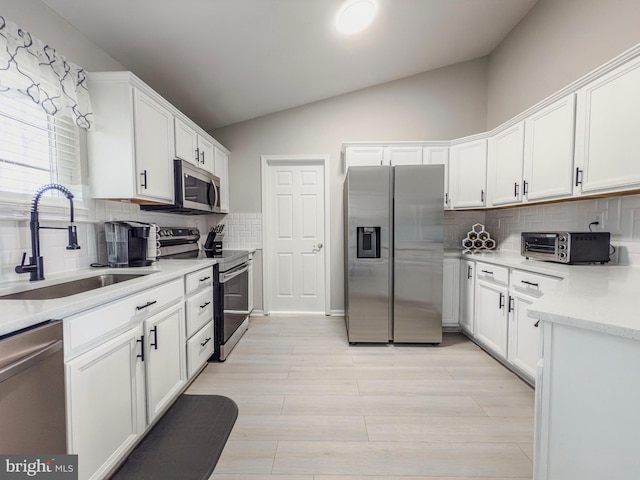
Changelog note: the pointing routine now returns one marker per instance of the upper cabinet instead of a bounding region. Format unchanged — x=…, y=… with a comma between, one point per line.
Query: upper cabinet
x=137, y=136
x=439, y=155
x=468, y=174
x=372, y=155
x=134, y=134
x=221, y=169
x=607, y=126
x=363, y=156
x=548, y=151
x=506, y=155
x=398, y=155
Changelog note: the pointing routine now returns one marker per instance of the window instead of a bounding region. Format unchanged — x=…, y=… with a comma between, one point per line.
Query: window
x=36, y=149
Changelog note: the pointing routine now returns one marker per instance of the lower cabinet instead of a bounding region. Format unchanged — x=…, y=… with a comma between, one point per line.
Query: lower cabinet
x=491, y=317
x=105, y=402
x=450, y=292
x=199, y=348
x=165, y=361
x=524, y=336
x=467, y=295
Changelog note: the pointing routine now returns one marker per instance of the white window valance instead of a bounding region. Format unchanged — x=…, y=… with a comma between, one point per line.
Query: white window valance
x=34, y=70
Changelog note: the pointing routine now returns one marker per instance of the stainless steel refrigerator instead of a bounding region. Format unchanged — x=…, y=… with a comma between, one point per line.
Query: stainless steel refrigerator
x=393, y=253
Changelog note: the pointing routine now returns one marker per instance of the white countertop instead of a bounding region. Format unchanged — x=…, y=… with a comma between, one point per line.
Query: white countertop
x=601, y=298
x=18, y=314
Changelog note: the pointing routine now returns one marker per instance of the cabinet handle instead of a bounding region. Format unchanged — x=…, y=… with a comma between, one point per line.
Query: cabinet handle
x=510, y=304
x=446, y=198
x=206, y=340
x=578, y=176
x=501, y=301
x=202, y=155
x=487, y=272
x=141, y=342
x=525, y=190
x=469, y=272
x=154, y=344
x=482, y=195
x=537, y=324
x=197, y=155
x=144, y=179
x=148, y=304
x=530, y=283
x=516, y=189
x=205, y=305
x=204, y=279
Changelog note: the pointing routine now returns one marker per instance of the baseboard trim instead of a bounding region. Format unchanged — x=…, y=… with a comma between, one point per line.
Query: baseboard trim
x=336, y=313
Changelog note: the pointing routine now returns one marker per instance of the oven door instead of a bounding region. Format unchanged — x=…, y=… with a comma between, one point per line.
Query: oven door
x=234, y=288
x=200, y=190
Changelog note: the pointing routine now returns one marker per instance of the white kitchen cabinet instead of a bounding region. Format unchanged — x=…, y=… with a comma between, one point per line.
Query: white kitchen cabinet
x=587, y=405
x=199, y=348
x=186, y=142
x=490, y=307
x=200, y=313
x=221, y=170
x=467, y=295
x=206, y=155
x=607, y=126
x=403, y=155
x=105, y=402
x=165, y=359
x=548, y=151
x=355, y=156
x=439, y=155
x=130, y=152
x=506, y=156
x=523, y=336
x=450, y=292
x=468, y=174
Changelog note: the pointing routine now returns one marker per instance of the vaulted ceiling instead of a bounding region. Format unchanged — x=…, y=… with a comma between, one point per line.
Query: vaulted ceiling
x=225, y=61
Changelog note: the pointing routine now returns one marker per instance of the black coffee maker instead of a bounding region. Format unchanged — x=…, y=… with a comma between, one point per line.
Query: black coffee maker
x=127, y=244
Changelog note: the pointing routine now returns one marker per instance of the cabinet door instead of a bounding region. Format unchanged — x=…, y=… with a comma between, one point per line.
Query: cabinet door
x=491, y=317
x=363, y=156
x=403, y=155
x=506, y=154
x=186, y=143
x=165, y=358
x=206, y=155
x=548, y=151
x=153, y=147
x=450, y=292
x=467, y=290
x=105, y=402
x=523, y=336
x=222, y=172
x=607, y=126
x=439, y=156
x=468, y=174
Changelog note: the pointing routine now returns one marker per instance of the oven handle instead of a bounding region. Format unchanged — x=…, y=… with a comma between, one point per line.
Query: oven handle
x=226, y=276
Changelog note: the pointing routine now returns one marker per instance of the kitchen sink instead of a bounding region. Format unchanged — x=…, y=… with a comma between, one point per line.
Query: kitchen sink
x=67, y=289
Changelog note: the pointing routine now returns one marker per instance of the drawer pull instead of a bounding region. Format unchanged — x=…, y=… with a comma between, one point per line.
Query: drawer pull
x=469, y=272
x=204, y=279
x=530, y=283
x=148, y=304
x=204, y=306
x=206, y=340
x=141, y=342
x=487, y=272
x=537, y=324
x=154, y=344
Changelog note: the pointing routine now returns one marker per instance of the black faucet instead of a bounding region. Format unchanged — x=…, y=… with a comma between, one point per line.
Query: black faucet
x=36, y=262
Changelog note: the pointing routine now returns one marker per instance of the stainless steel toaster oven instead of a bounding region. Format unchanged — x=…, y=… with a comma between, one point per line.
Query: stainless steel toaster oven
x=566, y=247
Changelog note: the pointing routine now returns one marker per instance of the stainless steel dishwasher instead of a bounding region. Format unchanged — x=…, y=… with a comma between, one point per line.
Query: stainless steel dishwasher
x=32, y=393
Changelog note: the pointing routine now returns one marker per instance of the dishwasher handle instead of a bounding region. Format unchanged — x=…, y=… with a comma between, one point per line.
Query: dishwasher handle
x=29, y=360
x=226, y=276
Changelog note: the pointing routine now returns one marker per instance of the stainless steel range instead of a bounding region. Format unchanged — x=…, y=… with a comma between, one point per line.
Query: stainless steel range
x=233, y=289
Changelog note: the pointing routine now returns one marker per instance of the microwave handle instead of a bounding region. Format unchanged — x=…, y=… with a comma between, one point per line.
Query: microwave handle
x=212, y=188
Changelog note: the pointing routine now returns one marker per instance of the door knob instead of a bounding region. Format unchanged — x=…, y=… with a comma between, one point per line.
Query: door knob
x=318, y=246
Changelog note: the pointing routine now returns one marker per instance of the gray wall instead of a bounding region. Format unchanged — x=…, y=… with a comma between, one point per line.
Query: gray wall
x=556, y=43
x=441, y=104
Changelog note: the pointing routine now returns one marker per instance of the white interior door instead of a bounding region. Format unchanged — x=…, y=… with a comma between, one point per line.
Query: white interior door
x=295, y=235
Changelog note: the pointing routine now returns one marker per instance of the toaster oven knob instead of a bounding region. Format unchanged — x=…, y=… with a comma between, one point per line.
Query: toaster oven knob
x=562, y=247
x=563, y=255
x=562, y=238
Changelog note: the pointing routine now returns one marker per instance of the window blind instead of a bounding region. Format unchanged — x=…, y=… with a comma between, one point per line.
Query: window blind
x=37, y=148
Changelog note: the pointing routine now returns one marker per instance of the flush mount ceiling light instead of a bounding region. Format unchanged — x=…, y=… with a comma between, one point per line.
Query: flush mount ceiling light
x=355, y=16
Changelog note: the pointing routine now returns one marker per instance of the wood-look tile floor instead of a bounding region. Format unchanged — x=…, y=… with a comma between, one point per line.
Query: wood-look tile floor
x=312, y=407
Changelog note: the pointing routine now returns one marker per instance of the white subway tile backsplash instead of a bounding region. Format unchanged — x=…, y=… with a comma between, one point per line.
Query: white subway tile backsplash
x=242, y=230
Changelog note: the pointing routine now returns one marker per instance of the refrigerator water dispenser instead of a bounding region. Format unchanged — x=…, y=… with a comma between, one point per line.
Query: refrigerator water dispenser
x=368, y=242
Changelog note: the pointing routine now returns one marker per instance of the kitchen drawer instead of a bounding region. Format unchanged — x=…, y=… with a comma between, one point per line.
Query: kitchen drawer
x=199, y=348
x=97, y=325
x=492, y=273
x=199, y=279
x=533, y=284
x=199, y=310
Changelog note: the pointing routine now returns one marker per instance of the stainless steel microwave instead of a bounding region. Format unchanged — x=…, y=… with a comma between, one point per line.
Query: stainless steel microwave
x=566, y=247
x=196, y=191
